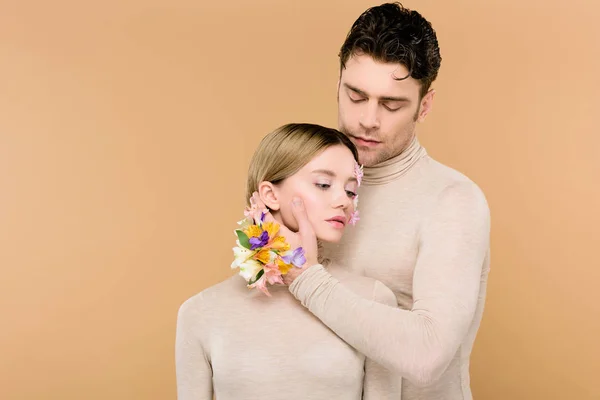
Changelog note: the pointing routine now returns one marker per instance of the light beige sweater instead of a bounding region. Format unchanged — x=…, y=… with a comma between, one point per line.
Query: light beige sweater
x=424, y=233
x=238, y=344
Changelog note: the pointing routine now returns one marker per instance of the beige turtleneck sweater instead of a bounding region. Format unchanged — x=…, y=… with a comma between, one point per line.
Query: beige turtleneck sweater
x=238, y=344
x=424, y=233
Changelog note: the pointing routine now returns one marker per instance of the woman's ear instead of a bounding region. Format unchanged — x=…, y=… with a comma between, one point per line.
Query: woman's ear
x=269, y=195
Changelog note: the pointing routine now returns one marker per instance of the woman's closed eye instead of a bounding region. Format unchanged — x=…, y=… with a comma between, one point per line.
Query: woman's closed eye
x=323, y=186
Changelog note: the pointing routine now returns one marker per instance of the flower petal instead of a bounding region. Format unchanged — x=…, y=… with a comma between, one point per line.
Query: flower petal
x=264, y=256
x=249, y=269
x=261, y=285
x=279, y=243
x=272, y=228
x=253, y=231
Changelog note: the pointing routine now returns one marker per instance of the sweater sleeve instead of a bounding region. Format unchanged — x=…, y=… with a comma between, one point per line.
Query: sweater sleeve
x=193, y=369
x=381, y=383
x=420, y=343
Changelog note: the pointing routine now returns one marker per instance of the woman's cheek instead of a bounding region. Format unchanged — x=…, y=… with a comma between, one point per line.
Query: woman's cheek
x=313, y=206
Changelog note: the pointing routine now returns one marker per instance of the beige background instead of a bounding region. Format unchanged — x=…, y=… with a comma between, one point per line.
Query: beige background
x=125, y=133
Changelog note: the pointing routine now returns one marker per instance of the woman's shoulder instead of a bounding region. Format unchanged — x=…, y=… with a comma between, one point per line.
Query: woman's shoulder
x=210, y=299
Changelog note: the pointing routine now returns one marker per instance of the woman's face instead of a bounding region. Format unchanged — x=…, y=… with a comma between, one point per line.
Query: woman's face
x=327, y=185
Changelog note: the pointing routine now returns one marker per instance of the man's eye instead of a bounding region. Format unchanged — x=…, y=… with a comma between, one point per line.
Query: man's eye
x=356, y=99
x=392, y=109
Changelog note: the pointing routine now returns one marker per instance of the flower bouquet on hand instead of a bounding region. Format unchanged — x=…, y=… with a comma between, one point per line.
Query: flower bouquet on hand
x=261, y=254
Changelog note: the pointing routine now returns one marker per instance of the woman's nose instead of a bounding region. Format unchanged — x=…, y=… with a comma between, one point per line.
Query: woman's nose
x=341, y=200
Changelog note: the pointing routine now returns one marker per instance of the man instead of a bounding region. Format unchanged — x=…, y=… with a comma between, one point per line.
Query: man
x=424, y=228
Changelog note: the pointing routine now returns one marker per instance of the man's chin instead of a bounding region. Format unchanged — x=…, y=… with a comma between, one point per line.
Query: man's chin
x=367, y=158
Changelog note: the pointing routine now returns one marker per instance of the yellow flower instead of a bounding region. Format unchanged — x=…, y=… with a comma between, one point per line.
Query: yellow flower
x=283, y=267
x=280, y=244
x=264, y=256
x=253, y=231
x=272, y=228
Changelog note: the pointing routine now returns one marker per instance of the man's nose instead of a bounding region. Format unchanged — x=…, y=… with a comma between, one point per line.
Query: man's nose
x=369, y=118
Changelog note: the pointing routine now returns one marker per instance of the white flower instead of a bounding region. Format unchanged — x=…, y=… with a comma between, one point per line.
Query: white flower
x=241, y=254
x=249, y=269
x=244, y=223
x=243, y=260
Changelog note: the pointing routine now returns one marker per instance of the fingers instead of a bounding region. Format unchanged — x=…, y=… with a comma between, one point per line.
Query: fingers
x=306, y=232
x=299, y=212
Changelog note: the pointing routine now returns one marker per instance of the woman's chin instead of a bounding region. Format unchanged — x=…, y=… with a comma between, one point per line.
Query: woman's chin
x=330, y=237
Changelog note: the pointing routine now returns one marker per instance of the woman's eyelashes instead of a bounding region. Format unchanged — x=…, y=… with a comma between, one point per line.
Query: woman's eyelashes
x=325, y=186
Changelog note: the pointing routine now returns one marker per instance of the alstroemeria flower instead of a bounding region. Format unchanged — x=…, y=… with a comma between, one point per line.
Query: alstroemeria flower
x=255, y=214
x=253, y=231
x=272, y=228
x=261, y=285
x=279, y=243
x=295, y=257
x=273, y=274
x=244, y=223
x=249, y=269
x=260, y=255
x=358, y=172
x=265, y=256
x=241, y=254
x=283, y=266
x=354, y=218
x=260, y=241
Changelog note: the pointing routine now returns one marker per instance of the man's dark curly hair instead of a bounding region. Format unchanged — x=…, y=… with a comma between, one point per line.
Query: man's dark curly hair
x=392, y=33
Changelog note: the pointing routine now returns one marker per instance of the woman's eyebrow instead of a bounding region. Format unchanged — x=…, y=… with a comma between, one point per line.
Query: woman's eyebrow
x=331, y=174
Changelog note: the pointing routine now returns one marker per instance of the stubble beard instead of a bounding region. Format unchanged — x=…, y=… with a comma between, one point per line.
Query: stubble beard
x=369, y=157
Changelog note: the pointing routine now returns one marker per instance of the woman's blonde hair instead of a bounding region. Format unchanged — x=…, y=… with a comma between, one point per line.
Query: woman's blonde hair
x=287, y=149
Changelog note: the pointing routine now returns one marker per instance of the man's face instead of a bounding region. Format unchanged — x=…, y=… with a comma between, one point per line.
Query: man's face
x=377, y=112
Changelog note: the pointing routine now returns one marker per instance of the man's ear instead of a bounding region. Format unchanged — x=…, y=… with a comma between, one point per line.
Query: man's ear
x=269, y=195
x=426, y=105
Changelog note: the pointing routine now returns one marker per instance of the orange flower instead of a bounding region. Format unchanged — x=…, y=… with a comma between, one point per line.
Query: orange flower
x=264, y=256
x=272, y=228
x=253, y=231
x=279, y=243
x=283, y=266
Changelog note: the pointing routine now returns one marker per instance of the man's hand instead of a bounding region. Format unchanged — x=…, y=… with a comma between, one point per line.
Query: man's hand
x=305, y=237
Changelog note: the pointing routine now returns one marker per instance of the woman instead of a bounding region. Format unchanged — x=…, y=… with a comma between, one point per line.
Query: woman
x=233, y=342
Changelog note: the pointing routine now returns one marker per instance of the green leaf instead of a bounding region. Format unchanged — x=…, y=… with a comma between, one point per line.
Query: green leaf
x=243, y=238
x=257, y=277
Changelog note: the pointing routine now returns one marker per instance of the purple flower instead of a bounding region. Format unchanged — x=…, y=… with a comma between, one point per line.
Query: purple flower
x=296, y=257
x=262, y=240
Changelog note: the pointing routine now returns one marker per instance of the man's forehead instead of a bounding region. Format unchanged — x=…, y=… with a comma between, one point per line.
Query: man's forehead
x=378, y=79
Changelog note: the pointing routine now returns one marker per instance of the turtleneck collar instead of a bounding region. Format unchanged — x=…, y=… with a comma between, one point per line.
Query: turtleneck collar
x=396, y=166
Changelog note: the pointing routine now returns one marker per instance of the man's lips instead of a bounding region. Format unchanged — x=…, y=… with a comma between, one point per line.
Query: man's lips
x=361, y=141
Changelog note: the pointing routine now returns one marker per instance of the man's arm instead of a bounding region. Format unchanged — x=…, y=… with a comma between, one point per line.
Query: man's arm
x=420, y=343
x=379, y=382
